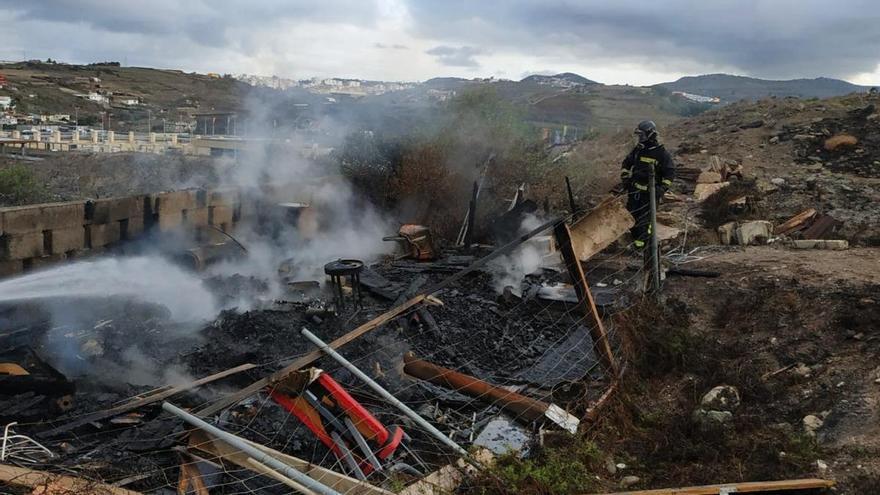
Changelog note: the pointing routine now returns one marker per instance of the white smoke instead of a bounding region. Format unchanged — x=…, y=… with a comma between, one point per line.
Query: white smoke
x=528, y=258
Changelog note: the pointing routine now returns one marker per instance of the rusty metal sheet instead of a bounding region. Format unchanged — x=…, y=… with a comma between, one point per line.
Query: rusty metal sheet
x=600, y=227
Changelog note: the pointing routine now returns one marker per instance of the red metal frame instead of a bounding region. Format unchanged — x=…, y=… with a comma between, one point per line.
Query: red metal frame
x=331, y=394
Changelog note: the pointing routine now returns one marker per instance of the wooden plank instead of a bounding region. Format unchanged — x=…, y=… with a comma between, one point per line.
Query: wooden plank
x=587, y=305
x=448, y=478
x=821, y=226
x=48, y=483
x=748, y=487
x=205, y=442
x=107, y=413
x=796, y=222
x=600, y=227
x=309, y=358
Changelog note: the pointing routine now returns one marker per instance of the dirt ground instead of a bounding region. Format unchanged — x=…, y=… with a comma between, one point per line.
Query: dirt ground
x=795, y=332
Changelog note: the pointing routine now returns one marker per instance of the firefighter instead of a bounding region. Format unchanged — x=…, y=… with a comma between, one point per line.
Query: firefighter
x=634, y=175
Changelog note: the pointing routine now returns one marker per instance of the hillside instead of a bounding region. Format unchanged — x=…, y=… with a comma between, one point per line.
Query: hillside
x=54, y=88
x=563, y=79
x=732, y=88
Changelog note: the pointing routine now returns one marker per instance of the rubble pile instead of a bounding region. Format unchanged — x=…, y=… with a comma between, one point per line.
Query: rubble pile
x=128, y=352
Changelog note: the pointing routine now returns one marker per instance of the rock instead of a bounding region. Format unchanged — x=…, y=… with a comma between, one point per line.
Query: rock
x=777, y=181
x=752, y=125
x=802, y=370
x=708, y=177
x=753, y=232
x=721, y=398
x=610, y=466
x=703, y=191
x=774, y=140
x=766, y=187
x=840, y=141
x=831, y=244
x=821, y=465
x=726, y=233
x=629, y=481
x=802, y=137
x=811, y=424
x=709, y=421
x=620, y=465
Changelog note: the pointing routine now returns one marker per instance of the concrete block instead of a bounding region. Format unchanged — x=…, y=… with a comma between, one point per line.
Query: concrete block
x=708, y=177
x=22, y=246
x=835, y=244
x=170, y=220
x=132, y=227
x=726, y=233
x=219, y=215
x=114, y=209
x=174, y=201
x=10, y=268
x=44, y=261
x=37, y=218
x=102, y=234
x=753, y=232
x=703, y=191
x=196, y=217
x=227, y=196
x=61, y=241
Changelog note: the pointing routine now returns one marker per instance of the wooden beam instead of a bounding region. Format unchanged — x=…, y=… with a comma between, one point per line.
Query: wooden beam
x=114, y=411
x=749, y=487
x=796, y=222
x=205, y=442
x=309, y=358
x=586, y=305
x=48, y=483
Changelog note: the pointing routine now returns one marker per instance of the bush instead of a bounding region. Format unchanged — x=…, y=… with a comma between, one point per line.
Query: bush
x=19, y=186
x=566, y=469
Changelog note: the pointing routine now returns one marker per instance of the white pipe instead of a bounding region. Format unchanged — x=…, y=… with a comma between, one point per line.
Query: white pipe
x=255, y=453
x=385, y=394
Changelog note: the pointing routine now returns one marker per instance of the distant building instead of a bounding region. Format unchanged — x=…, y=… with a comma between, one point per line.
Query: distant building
x=697, y=98
x=8, y=120
x=5, y=102
x=97, y=97
x=127, y=100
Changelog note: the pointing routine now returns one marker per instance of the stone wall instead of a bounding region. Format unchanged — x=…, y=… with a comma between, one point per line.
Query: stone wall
x=33, y=236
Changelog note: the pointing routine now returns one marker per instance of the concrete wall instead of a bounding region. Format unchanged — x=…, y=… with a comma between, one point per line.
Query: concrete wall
x=36, y=235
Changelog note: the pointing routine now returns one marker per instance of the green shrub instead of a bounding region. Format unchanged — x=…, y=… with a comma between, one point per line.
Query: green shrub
x=19, y=186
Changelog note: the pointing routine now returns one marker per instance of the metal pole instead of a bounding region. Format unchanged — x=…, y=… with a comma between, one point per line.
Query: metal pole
x=385, y=394
x=655, y=258
x=250, y=450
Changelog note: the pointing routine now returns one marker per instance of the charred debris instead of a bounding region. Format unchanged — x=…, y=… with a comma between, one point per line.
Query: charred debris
x=374, y=376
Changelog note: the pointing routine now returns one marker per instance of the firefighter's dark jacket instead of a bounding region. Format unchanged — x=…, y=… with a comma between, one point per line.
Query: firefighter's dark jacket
x=634, y=173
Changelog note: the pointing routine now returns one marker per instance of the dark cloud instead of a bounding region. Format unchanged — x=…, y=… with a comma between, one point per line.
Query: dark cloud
x=205, y=22
x=451, y=56
x=782, y=38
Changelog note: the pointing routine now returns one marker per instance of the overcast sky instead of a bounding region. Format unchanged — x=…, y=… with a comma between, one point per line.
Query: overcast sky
x=615, y=41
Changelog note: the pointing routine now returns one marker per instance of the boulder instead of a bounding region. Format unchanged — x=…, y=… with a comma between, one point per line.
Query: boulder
x=703, y=191
x=726, y=233
x=753, y=232
x=840, y=141
x=721, y=398
x=628, y=481
x=708, y=177
x=811, y=424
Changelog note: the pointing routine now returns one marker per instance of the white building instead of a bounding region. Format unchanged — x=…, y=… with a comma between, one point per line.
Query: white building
x=97, y=97
x=5, y=102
